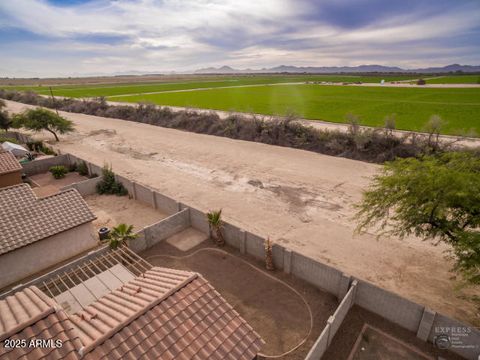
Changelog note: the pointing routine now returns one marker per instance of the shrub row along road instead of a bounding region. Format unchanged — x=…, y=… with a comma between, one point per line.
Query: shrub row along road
x=300, y=199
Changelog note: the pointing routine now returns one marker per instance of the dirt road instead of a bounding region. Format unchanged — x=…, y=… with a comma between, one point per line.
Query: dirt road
x=300, y=199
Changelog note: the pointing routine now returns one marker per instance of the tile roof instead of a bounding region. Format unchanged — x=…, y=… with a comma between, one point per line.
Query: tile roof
x=25, y=219
x=30, y=315
x=162, y=314
x=8, y=162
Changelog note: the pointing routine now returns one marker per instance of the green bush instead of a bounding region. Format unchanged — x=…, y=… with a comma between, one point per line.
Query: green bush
x=12, y=140
x=35, y=146
x=47, y=151
x=82, y=168
x=108, y=185
x=40, y=147
x=58, y=171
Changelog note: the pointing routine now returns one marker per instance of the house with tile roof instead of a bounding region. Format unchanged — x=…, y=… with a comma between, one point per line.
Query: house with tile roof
x=37, y=233
x=161, y=314
x=10, y=169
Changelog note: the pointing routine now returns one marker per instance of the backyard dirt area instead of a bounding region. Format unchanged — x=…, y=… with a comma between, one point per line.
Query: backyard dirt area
x=274, y=310
x=300, y=199
x=112, y=210
x=365, y=336
x=45, y=184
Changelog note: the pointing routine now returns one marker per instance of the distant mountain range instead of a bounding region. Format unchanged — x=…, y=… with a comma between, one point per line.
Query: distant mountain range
x=340, y=69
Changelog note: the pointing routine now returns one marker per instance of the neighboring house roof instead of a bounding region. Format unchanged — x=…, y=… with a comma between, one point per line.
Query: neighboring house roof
x=8, y=162
x=25, y=219
x=162, y=314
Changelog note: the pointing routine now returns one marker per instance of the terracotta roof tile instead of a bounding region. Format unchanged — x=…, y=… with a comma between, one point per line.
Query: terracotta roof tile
x=30, y=314
x=162, y=314
x=188, y=320
x=25, y=219
x=8, y=162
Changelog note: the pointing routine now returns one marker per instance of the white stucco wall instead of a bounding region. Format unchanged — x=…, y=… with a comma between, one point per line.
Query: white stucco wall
x=18, y=264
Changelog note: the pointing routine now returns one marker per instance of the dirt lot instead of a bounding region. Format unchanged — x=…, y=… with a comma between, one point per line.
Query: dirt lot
x=112, y=210
x=300, y=199
x=276, y=312
x=48, y=185
x=388, y=342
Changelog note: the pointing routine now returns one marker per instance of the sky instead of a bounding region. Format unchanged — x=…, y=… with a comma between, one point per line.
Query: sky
x=44, y=38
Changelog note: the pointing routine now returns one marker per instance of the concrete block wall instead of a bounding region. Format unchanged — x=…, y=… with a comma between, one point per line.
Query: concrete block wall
x=153, y=234
x=320, y=345
x=198, y=219
x=391, y=306
x=144, y=194
x=21, y=138
x=342, y=310
x=94, y=169
x=127, y=184
x=165, y=204
x=278, y=252
x=255, y=245
x=333, y=324
x=426, y=324
x=233, y=235
x=42, y=165
x=86, y=187
x=317, y=274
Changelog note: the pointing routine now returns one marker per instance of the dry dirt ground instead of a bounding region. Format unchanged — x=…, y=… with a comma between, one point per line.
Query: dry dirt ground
x=300, y=199
x=112, y=210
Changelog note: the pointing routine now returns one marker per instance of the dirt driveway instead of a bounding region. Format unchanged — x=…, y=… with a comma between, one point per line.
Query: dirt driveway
x=300, y=199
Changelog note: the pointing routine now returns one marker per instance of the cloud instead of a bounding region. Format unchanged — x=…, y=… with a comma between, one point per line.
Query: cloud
x=58, y=38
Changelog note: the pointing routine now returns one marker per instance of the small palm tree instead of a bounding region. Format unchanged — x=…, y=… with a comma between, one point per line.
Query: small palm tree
x=215, y=223
x=120, y=234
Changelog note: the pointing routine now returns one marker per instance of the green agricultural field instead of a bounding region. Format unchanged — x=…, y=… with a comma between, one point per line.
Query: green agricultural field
x=140, y=88
x=459, y=107
x=458, y=79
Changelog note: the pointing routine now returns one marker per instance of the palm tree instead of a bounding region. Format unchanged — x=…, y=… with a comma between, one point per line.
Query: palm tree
x=215, y=223
x=120, y=234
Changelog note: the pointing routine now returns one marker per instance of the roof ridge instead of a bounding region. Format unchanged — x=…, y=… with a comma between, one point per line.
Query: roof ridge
x=113, y=330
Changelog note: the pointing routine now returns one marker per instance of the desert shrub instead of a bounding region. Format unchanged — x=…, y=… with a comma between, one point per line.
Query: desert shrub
x=72, y=167
x=58, y=171
x=82, y=168
x=373, y=145
x=35, y=146
x=40, y=147
x=47, y=150
x=108, y=184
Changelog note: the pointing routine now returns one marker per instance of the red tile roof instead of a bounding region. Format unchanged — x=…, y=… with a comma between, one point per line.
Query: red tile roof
x=25, y=219
x=162, y=314
x=8, y=162
x=29, y=315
